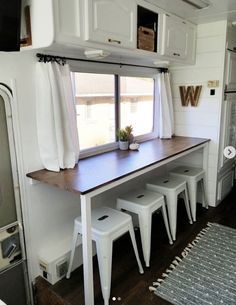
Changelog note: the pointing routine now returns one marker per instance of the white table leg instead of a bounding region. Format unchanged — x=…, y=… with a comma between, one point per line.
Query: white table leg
x=87, y=249
x=205, y=167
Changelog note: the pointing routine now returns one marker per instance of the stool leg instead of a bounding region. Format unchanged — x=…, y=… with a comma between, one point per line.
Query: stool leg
x=104, y=255
x=192, y=191
x=186, y=201
x=73, y=245
x=203, y=186
x=164, y=214
x=131, y=232
x=145, y=224
x=171, y=200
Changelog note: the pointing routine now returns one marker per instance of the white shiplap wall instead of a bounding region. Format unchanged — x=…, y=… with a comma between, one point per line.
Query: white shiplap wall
x=203, y=120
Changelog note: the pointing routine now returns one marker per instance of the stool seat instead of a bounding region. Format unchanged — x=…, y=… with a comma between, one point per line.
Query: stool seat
x=167, y=183
x=193, y=176
x=144, y=198
x=171, y=187
x=107, y=225
x=187, y=171
x=144, y=203
x=105, y=221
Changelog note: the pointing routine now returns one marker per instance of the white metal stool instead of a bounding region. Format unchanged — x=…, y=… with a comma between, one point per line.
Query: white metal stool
x=171, y=187
x=193, y=176
x=107, y=225
x=144, y=203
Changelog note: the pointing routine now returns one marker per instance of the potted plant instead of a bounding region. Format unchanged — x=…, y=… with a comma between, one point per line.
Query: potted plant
x=125, y=136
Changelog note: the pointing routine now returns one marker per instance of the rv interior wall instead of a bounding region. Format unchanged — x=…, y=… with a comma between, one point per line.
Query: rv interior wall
x=45, y=212
x=203, y=120
x=49, y=213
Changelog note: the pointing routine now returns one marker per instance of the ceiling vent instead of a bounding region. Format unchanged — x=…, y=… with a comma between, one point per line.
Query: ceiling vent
x=198, y=4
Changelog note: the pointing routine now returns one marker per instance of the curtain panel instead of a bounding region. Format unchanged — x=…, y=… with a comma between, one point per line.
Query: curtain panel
x=56, y=116
x=164, y=106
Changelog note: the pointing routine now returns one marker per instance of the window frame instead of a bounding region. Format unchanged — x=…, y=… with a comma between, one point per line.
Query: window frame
x=116, y=70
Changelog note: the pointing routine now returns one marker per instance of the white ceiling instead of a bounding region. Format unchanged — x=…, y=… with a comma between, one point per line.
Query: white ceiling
x=218, y=10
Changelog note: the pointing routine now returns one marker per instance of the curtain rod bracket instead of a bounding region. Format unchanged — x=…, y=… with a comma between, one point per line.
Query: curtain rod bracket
x=51, y=58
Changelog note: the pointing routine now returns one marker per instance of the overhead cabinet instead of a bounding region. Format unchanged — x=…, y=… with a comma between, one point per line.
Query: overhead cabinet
x=112, y=25
x=68, y=21
x=178, y=38
x=111, y=22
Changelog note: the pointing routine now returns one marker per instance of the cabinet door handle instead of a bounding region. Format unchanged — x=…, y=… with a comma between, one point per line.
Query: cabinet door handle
x=114, y=40
x=176, y=54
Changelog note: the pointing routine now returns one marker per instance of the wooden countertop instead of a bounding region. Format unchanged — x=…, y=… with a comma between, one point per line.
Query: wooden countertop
x=96, y=171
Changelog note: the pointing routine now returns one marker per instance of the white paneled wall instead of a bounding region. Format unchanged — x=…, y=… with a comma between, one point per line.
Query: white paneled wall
x=203, y=120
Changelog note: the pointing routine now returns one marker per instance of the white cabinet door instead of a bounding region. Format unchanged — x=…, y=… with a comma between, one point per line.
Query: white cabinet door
x=178, y=39
x=228, y=127
x=225, y=184
x=68, y=21
x=231, y=72
x=111, y=21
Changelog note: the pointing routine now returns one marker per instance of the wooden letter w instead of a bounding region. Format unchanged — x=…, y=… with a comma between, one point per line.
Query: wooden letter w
x=190, y=94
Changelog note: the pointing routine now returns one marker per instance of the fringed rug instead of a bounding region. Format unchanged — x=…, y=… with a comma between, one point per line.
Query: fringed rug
x=206, y=272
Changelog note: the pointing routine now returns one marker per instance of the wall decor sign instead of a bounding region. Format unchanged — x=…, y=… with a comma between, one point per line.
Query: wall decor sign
x=190, y=94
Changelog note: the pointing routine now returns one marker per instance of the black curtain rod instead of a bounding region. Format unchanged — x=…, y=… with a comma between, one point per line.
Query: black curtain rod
x=62, y=60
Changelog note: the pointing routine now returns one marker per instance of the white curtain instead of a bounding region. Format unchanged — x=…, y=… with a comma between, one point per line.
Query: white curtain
x=56, y=116
x=164, y=106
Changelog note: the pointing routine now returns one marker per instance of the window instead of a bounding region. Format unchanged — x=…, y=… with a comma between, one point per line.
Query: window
x=107, y=102
x=95, y=107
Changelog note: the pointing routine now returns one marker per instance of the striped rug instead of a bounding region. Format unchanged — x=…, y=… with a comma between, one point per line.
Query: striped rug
x=206, y=272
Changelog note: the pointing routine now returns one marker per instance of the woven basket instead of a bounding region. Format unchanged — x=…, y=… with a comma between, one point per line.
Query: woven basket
x=146, y=38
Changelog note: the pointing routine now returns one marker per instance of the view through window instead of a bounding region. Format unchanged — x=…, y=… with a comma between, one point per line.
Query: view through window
x=105, y=102
x=136, y=104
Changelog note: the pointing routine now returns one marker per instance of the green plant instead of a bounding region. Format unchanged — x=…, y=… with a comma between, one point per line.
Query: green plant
x=129, y=130
x=124, y=134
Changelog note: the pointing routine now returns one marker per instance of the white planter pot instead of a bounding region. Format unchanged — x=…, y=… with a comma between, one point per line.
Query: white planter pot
x=123, y=145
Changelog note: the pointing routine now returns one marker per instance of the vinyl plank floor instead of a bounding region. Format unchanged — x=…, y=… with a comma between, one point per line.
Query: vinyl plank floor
x=127, y=284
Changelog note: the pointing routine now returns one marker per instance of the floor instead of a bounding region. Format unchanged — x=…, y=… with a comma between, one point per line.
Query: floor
x=128, y=286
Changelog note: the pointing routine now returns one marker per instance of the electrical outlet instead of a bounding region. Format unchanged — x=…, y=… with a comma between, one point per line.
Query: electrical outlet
x=212, y=92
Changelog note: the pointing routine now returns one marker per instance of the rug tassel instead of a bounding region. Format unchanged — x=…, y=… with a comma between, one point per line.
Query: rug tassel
x=168, y=270
x=201, y=234
x=184, y=254
x=187, y=249
x=164, y=275
x=178, y=259
x=152, y=288
x=157, y=283
x=175, y=262
x=172, y=266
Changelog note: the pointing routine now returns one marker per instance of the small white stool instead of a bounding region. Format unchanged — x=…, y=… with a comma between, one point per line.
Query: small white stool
x=171, y=187
x=107, y=225
x=144, y=203
x=193, y=176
